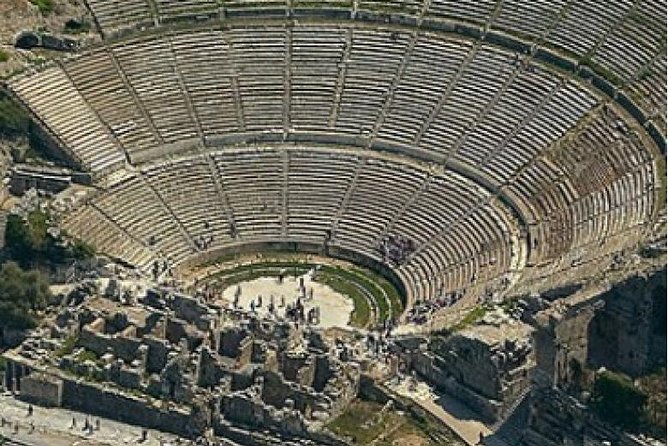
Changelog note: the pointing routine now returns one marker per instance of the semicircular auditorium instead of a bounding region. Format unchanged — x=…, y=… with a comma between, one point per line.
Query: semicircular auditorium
x=457, y=147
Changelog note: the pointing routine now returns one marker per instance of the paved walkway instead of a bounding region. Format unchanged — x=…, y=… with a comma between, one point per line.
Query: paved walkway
x=53, y=427
x=451, y=412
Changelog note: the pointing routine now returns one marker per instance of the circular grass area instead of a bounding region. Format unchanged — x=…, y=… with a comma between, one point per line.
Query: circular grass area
x=374, y=298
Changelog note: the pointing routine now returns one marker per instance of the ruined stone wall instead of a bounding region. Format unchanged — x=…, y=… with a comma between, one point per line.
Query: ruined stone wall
x=276, y=391
x=469, y=362
x=208, y=372
x=622, y=329
x=560, y=342
x=156, y=358
x=252, y=437
x=298, y=368
x=42, y=389
x=89, y=398
x=187, y=308
x=122, y=347
x=322, y=373
x=229, y=341
x=557, y=419
x=342, y=388
x=429, y=367
x=629, y=333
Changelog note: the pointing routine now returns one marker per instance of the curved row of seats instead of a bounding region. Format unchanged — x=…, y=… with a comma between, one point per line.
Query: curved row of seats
x=649, y=92
x=68, y=116
x=179, y=207
x=622, y=37
x=442, y=96
x=590, y=197
x=578, y=173
x=625, y=42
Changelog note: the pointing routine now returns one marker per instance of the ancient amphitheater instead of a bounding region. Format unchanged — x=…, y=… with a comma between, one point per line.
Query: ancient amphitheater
x=516, y=146
x=508, y=139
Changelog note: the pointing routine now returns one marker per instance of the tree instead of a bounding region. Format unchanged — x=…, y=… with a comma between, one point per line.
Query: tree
x=29, y=242
x=27, y=239
x=14, y=121
x=618, y=401
x=22, y=295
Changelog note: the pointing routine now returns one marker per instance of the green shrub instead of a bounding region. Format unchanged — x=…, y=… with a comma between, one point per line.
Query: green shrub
x=654, y=386
x=74, y=26
x=86, y=355
x=4, y=56
x=81, y=250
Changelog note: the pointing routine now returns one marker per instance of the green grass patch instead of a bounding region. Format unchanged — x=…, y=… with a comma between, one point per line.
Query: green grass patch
x=381, y=304
x=385, y=295
x=220, y=259
x=67, y=346
x=44, y=6
x=4, y=56
x=358, y=423
x=86, y=355
x=391, y=293
x=329, y=4
x=384, y=8
x=366, y=423
x=471, y=318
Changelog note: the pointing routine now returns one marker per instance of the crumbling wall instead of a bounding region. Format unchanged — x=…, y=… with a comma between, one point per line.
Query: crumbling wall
x=622, y=329
x=156, y=358
x=629, y=333
x=122, y=347
x=560, y=342
x=276, y=391
x=42, y=389
x=557, y=419
x=458, y=357
x=89, y=398
x=298, y=368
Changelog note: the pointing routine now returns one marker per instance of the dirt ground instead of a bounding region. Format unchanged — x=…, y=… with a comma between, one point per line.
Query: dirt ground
x=335, y=308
